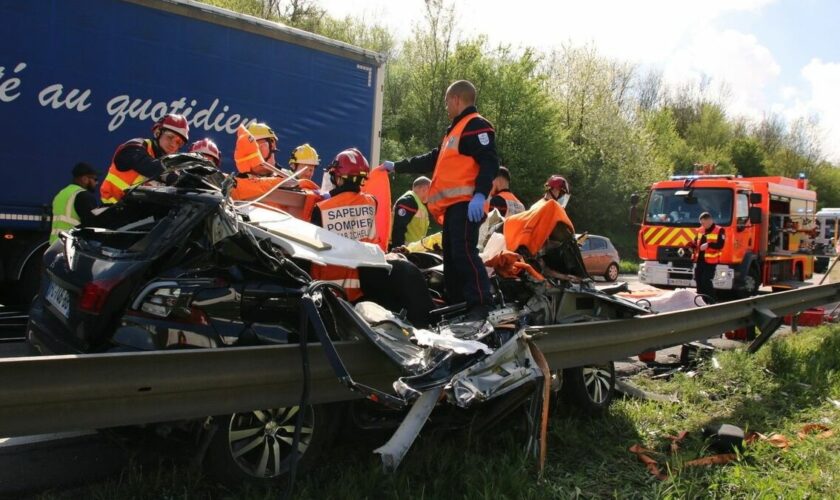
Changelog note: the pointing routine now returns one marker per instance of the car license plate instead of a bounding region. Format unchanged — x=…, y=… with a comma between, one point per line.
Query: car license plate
x=59, y=298
x=676, y=282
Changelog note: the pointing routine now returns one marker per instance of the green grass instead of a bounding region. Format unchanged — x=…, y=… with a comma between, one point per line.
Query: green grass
x=786, y=385
x=628, y=267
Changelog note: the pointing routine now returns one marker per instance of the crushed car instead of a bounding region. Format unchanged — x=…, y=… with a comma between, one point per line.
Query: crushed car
x=177, y=264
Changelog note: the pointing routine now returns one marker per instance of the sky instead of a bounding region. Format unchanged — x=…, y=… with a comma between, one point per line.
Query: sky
x=773, y=56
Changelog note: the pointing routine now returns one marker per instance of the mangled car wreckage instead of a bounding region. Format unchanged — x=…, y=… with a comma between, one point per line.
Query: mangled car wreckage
x=179, y=265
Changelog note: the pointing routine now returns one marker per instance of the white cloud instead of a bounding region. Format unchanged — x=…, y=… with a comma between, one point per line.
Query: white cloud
x=737, y=59
x=824, y=101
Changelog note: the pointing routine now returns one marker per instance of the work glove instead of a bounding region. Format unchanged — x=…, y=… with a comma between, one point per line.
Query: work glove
x=704, y=246
x=324, y=195
x=475, y=211
x=389, y=166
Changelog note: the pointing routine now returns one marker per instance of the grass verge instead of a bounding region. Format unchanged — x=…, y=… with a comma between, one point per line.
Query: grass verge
x=628, y=267
x=793, y=381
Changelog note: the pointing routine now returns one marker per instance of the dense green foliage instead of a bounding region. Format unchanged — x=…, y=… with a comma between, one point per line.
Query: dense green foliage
x=611, y=128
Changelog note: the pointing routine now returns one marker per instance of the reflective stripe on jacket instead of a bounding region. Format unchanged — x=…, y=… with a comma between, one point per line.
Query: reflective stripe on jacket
x=514, y=206
x=453, y=180
x=352, y=215
x=64, y=215
x=418, y=226
x=117, y=181
x=710, y=255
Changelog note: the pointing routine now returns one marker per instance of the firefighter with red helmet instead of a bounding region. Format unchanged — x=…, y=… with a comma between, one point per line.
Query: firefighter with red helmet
x=352, y=214
x=349, y=213
x=208, y=150
x=557, y=188
x=139, y=159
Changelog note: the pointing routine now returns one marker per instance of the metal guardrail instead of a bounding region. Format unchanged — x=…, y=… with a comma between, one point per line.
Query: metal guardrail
x=64, y=393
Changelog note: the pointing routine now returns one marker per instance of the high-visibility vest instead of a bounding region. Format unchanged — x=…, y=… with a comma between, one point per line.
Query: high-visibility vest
x=514, y=206
x=64, y=216
x=418, y=226
x=117, y=181
x=710, y=255
x=352, y=215
x=453, y=180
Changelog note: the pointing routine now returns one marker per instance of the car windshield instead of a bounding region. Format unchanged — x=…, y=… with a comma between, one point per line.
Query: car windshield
x=682, y=207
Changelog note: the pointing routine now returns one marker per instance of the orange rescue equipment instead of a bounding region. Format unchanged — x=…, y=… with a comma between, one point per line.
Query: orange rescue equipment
x=533, y=227
x=378, y=185
x=117, y=181
x=453, y=180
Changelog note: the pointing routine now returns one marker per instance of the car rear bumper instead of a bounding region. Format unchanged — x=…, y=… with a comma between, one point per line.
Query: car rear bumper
x=40, y=337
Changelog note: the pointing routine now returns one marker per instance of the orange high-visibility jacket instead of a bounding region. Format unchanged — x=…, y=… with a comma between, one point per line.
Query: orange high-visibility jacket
x=453, y=180
x=116, y=182
x=710, y=255
x=514, y=206
x=533, y=227
x=352, y=215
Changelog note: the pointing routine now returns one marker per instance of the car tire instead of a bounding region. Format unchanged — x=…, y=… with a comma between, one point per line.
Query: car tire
x=611, y=274
x=589, y=388
x=255, y=446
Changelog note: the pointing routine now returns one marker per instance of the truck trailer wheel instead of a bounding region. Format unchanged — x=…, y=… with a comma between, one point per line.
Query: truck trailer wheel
x=256, y=445
x=589, y=388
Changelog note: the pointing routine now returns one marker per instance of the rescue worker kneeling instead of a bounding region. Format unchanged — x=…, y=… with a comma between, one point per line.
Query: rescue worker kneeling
x=352, y=214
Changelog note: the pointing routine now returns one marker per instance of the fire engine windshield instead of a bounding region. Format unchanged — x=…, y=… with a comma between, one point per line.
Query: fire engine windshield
x=679, y=207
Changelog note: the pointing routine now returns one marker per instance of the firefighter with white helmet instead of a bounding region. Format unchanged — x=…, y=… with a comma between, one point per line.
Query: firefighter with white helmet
x=139, y=159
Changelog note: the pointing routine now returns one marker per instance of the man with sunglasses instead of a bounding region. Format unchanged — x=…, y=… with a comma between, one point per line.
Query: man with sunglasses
x=139, y=159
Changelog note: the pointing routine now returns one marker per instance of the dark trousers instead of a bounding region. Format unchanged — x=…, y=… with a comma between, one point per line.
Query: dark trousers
x=465, y=277
x=703, y=274
x=403, y=288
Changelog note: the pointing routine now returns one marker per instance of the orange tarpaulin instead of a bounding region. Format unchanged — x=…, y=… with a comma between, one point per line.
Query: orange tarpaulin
x=532, y=227
x=378, y=185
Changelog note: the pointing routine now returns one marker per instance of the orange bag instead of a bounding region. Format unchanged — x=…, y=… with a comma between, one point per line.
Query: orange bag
x=378, y=185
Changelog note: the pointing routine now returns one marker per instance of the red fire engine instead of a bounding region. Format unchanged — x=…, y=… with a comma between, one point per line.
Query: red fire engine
x=769, y=222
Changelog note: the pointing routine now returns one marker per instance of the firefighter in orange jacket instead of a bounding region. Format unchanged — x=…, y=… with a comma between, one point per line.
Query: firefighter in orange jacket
x=463, y=167
x=347, y=212
x=138, y=159
x=707, y=248
x=501, y=198
x=352, y=214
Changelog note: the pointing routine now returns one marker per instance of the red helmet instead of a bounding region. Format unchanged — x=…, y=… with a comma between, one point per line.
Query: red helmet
x=349, y=163
x=207, y=148
x=175, y=123
x=558, y=182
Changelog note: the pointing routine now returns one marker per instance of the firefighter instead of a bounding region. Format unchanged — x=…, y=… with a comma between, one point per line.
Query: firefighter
x=707, y=248
x=256, y=177
x=501, y=198
x=411, y=217
x=557, y=188
x=305, y=158
x=347, y=212
x=463, y=167
x=207, y=149
x=73, y=205
x=352, y=214
x=139, y=159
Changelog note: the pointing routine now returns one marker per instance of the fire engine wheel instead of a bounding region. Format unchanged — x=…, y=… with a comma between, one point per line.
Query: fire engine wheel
x=257, y=445
x=589, y=388
x=611, y=273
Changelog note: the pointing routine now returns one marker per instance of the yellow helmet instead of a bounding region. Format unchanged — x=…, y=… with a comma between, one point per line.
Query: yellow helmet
x=304, y=154
x=261, y=131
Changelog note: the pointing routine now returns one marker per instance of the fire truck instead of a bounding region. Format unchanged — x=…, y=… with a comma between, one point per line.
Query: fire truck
x=769, y=224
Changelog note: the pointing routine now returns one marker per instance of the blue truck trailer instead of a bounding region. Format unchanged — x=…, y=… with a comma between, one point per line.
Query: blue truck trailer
x=79, y=78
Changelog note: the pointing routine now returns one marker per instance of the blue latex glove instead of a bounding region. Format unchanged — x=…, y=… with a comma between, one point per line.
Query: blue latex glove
x=389, y=166
x=325, y=195
x=475, y=211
